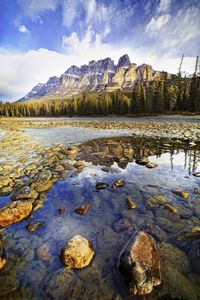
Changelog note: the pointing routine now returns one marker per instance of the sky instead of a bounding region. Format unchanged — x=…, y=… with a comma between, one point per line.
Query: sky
x=42, y=38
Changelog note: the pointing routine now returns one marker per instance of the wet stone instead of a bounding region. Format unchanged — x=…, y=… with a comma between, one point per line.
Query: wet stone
x=83, y=209
x=156, y=201
x=196, y=174
x=78, y=253
x=131, y=203
x=24, y=193
x=123, y=224
x=184, y=194
x=189, y=233
x=2, y=255
x=15, y=212
x=44, y=253
x=142, y=161
x=151, y=165
x=118, y=183
x=139, y=264
x=6, y=190
x=101, y=185
x=35, y=226
x=42, y=181
x=62, y=210
x=171, y=208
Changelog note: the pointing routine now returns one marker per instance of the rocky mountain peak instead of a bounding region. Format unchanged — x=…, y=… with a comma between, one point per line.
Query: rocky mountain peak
x=124, y=62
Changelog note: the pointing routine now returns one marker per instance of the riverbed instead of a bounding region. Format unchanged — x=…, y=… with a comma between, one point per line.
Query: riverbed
x=34, y=270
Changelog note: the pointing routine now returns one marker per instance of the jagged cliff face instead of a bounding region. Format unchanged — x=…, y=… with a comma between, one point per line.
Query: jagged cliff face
x=95, y=77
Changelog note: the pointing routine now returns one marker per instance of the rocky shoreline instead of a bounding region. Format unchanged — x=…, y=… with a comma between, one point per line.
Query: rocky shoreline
x=181, y=130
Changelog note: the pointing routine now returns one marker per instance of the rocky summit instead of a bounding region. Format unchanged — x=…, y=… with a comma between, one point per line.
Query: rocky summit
x=97, y=76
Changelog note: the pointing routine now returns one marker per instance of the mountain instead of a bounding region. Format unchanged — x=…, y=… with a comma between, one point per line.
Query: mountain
x=97, y=76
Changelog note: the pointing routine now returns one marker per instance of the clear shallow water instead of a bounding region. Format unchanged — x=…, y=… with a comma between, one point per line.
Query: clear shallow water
x=109, y=224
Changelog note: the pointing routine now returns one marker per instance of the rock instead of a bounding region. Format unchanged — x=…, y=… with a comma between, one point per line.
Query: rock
x=68, y=166
x=78, y=253
x=197, y=191
x=79, y=164
x=118, y=183
x=42, y=181
x=156, y=201
x=196, y=174
x=151, y=165
x=6, y=190
x=183, y=194
x=24, y=193
x=131, y=204
x=43, y=253
x=83, y=209
x=123, y=224
x=35, y=226
x=189, y=233
x=2, y=255
x=139, y=264
x=61, y=210
x=101, y=185
x=59, y=168
x=171, y=208
x=15, y=212
x=142, y=161
x=5, y=181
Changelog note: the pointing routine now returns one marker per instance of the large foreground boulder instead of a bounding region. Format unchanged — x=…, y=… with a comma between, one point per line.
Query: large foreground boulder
x=15, y=212
x=78, y=253
x=139, y=264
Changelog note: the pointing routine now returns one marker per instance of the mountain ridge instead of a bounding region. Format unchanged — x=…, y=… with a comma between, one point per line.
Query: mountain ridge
x=96, y=76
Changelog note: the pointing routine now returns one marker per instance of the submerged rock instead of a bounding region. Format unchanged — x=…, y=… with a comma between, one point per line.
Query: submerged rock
x=44, y=253
x=183, y=194
x=189, y=233
x=118, y=183
x=42, y=181
x=24, y=193
x=156, y=201
x=123, y=224
x=15, y=212
x=62, y=210
x=78, y=253
x=2, y=255
x=139, y=264
x=35, y=226
x=171, y=208
x=101, y=185
x=83, y=209
x=131, y=204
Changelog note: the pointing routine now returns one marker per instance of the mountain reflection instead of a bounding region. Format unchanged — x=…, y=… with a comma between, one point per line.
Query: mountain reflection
x=106, y=151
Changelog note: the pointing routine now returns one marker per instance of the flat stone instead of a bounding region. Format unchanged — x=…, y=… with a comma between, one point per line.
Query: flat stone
x=196, y=174
x=24, y=192
x=189, y=233
x=6, y=190
x=83, y=209
x=15, y=212
x=78, y=253
x=156, y=201
x=139, y=264
x=5, y=181
x=101, y=185
x=42, y=181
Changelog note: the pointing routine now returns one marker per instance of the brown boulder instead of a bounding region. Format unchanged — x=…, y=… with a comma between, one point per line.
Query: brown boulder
x=139, y=264
x=15, y=212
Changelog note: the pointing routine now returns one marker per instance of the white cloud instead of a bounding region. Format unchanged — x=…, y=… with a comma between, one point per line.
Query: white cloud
x=158, y=23
x=33, y=8
x=163, y=6
x=23, y=29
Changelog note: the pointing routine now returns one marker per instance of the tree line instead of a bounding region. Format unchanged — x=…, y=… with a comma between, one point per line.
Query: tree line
x=165, y=95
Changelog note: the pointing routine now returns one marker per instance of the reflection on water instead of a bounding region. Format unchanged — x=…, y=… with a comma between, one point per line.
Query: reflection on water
x=125, y=149
x=34, y=271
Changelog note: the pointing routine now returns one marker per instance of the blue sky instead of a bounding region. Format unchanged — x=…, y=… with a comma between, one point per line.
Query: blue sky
x=42, y=38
